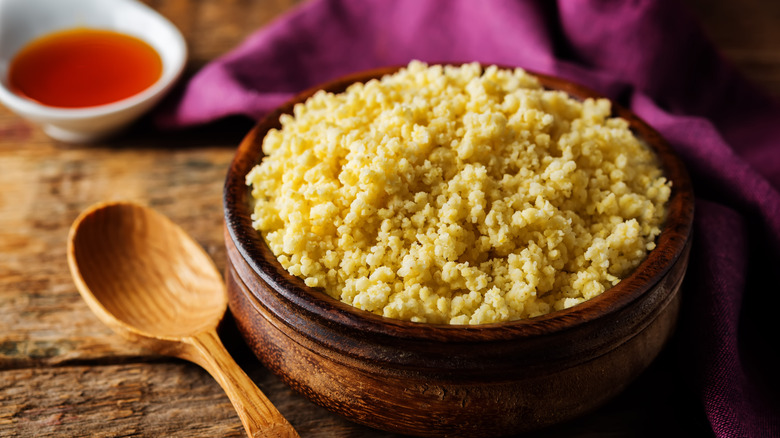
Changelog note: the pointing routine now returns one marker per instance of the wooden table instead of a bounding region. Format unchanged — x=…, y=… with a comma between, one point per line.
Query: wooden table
x=63, y=373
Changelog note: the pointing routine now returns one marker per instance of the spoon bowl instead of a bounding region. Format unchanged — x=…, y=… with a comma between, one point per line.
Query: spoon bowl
x=144, y=277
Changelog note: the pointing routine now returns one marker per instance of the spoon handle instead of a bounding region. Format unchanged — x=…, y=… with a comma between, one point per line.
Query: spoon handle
x=258, y=415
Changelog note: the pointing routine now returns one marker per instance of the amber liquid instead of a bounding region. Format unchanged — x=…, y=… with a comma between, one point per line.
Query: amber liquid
x=84, y=67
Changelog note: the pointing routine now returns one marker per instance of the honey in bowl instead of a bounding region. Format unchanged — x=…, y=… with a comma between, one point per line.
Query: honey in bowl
x=84, y=67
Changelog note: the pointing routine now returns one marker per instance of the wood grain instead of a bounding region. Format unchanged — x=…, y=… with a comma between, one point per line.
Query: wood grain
x=476, y=381
x=57, y=358
x=66, y=401
x=150, y=282
x=42, y=317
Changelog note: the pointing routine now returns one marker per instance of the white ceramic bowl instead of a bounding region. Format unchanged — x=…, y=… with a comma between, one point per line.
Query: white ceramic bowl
x=24, y=20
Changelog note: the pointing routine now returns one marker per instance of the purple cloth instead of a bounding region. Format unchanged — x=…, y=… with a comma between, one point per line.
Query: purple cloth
x=648, y=55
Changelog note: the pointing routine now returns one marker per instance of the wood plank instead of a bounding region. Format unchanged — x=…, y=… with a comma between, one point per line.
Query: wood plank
x=174, y=398
x=171, y=399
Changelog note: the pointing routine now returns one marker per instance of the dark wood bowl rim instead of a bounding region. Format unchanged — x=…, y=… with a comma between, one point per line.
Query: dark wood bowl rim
x=255, y=252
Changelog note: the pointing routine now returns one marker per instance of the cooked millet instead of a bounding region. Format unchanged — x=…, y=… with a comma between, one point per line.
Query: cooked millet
x=452, y=195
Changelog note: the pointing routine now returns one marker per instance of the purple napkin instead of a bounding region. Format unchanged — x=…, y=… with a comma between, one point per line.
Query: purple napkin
x=648, y=55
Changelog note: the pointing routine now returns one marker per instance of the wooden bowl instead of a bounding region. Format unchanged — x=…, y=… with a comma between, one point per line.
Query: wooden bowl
x=433, y=380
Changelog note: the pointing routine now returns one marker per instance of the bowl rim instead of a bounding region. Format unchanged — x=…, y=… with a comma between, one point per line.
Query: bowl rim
x=172, y=68
x=670, y=244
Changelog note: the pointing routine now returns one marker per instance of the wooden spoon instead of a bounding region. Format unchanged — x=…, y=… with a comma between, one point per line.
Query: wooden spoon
x=150, y=282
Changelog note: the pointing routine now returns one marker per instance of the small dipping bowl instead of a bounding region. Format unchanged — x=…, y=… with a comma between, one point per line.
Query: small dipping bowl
x=22, y=21
x=440, y=380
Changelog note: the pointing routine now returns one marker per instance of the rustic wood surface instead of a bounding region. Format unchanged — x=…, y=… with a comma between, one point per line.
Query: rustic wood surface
x=63, y=373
